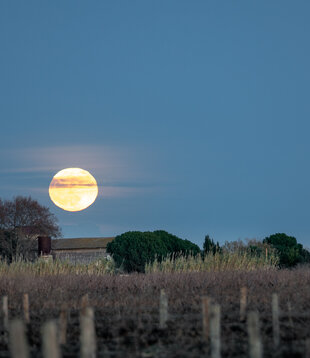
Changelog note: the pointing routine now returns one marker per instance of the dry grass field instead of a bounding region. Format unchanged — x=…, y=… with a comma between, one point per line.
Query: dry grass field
x=127, y=311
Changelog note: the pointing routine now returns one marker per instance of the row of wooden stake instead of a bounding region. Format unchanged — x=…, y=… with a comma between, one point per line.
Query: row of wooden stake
x=211, y=323
x=50, y=342
x=55, y=334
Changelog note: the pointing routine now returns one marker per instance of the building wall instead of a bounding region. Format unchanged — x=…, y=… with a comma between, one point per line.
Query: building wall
x=78, y=256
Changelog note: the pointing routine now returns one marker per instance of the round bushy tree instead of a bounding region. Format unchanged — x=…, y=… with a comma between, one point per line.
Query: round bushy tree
x=289, y=250
x=133, y=249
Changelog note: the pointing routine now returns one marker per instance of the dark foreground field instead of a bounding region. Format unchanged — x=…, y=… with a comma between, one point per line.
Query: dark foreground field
x=127, y=315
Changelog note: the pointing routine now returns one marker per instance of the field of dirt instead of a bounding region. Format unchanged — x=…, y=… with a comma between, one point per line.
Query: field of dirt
x=127, y=311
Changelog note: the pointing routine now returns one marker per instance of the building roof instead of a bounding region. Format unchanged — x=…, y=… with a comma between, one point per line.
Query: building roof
x=81, y=243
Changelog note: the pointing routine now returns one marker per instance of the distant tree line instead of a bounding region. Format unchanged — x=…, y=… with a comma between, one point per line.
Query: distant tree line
x=23, y=219
x=132, y=250
x=288, y=250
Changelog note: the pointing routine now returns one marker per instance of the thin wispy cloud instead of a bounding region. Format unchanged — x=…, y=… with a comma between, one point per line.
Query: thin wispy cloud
x=23, y=169
x=57, y=157
x=119, y=171
x=126, y=191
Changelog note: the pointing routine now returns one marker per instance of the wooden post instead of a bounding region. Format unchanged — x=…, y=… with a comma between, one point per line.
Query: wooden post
x=215, y=330
x=63, y=322
x=206, y=301
x=255, y=344
x=243, y=303
x=5, y=309
x=163, y=309
x=275, y=320
x=50, y=345
x=26, y=308
x=17, y=340
x=289, y=310
x=88, y=334
x=84, y=302
x=307, y=343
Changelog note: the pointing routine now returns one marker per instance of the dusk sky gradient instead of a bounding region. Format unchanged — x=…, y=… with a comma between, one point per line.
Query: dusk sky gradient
x=193, y=116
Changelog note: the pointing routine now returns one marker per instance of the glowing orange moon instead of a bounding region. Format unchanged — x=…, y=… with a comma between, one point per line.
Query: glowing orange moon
x=73, y=189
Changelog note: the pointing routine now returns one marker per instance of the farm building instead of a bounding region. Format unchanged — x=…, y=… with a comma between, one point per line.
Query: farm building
x=75, y=250
x=80, y=250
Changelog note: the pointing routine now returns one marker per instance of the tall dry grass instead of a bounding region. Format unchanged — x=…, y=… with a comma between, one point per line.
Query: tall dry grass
x=221, y=261
x=229, y=259
x=57, y=267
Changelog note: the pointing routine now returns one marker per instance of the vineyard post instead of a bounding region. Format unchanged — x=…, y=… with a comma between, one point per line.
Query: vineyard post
x=307, y=343
x=243, y=303
x=84, y=302
x=215, y=330
x=63, y=321
x=289, y=310
x=5, y=309
x=275, y=320
x=17, y=339
x=255, y=344
x=88, y=333
x=205, y=316
x=26, y=308
x=163, y=309
x=49, y=337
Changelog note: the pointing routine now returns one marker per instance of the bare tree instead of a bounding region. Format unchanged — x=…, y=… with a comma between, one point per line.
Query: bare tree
x=22, y=220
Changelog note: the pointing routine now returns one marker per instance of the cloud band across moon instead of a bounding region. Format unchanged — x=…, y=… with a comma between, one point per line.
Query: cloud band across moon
x=71, y=182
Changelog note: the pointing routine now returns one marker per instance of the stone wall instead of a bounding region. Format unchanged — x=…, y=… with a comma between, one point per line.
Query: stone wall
x=80, y=256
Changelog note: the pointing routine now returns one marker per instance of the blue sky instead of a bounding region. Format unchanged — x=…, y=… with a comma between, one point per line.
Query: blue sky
x=193, y=116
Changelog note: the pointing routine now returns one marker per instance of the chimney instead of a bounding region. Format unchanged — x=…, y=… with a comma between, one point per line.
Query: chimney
x=44, y=245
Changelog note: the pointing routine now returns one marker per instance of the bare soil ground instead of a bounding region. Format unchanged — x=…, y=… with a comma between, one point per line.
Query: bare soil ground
x=127, y=311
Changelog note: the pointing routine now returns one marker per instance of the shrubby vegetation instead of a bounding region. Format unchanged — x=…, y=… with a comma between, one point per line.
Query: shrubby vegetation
x=134, y=249
x=23, y=219
x=160, y=251
x=289, y=251
x=232, y=256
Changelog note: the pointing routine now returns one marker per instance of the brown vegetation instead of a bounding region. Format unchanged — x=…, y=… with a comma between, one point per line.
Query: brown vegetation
x=127, y=311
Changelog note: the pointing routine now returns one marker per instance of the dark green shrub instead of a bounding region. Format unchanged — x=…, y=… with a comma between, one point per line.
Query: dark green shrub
x=290, y=252
x=133, y=249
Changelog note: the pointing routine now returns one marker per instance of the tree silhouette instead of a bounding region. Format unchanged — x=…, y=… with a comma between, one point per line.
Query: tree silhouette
x=289, y=251
x=209, y=246
x=22, y=220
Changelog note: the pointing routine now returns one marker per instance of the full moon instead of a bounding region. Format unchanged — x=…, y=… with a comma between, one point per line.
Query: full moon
x=73, y=189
